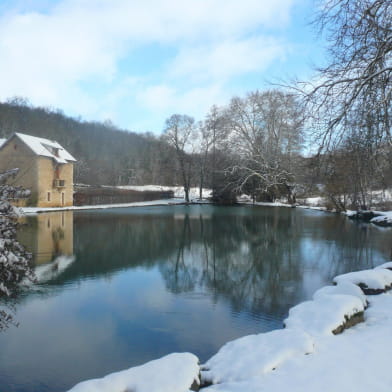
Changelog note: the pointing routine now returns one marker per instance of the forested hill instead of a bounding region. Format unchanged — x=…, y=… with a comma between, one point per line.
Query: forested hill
x=106, y=155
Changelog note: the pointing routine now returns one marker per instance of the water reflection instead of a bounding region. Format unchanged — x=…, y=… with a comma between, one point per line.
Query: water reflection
x=48, y=236
x=260, y=260
x=134, y=284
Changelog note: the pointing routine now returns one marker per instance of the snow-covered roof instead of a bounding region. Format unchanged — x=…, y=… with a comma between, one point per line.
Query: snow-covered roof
x=45, y=147
x=2, y=141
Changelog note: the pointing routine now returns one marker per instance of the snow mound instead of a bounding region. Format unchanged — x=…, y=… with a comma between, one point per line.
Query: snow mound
x=357, y=361
x=372, y=281
x=255, y=355
x=384, y=218
x=173, y=373
x=326, y=315
x=385, y=265
x=345, y=288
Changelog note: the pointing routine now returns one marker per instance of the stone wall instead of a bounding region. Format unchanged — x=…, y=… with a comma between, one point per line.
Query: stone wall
x=16, y=154
x=49, y=195
x=37, y=174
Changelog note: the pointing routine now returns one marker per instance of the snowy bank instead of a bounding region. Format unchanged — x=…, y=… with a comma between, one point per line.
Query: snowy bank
x=255, y=355
x=178, y=191
x=379, y=218
x=374, y=281
x=163, y=202
x=179, y=198
x=357, y=360
x=325, y=315
x=314, y=359
x=172, y=373
x=384, y=218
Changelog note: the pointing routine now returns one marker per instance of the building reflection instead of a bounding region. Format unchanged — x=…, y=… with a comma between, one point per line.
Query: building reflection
x=48, y=236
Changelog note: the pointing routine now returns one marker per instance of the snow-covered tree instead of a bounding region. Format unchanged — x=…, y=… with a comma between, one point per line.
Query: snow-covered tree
x=15, y=262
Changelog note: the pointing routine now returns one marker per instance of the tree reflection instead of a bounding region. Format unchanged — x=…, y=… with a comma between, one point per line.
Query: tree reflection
x=239, y=258
x=259, y=261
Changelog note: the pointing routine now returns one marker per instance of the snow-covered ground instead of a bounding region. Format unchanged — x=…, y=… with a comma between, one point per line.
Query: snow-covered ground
x=194, y=193
x=163, y=202
x=179, y=198
x=356, y=360
x=317, y=201
x=306, y=356
x=311, y=357
x=172, y=373
x=383, y=218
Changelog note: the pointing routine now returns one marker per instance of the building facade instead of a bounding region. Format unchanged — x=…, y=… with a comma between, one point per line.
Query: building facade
x=45, y=168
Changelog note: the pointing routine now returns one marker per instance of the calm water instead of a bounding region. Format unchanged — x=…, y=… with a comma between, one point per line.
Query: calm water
x=135, y=284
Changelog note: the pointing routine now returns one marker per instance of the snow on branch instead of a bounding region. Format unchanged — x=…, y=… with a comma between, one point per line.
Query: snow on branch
x=14, y=260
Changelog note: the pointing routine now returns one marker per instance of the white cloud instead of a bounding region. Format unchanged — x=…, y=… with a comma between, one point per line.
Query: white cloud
x=51, y=57
x=228, y=58
x=195, y=101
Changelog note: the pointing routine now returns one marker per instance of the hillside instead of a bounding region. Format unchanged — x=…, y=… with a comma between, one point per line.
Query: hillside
x=105, y=153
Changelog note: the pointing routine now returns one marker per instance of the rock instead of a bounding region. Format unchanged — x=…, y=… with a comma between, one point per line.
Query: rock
x=365, y=216
x=350, y=322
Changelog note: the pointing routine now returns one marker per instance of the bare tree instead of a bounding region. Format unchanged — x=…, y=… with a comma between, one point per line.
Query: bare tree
x=178, y=132
x=265, y=131
x=356, y=85
x=210, y=134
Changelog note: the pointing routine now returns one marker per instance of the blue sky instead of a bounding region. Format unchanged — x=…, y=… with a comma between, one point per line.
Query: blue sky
x=137, y=62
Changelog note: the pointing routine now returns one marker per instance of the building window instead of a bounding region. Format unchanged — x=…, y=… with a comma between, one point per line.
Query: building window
x=48, y=196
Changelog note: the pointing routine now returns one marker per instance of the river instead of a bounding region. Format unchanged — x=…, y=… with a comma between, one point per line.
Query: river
x=119, y=287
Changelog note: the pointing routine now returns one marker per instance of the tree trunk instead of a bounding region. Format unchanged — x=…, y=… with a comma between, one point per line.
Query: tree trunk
x=186, y=190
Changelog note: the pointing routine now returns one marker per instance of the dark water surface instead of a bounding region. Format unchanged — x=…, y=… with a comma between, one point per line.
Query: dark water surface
x=149, y=281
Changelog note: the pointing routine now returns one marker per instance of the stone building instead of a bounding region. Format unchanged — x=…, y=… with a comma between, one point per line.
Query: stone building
x=45, y=168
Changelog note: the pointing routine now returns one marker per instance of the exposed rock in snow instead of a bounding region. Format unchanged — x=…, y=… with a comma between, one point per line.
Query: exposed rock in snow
x=255, y=355
x=374, y=281
x=326, y=315
x=379, y=218
x=172, y=373
x=363, y=215
x=382, y=219
x=357, y=360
